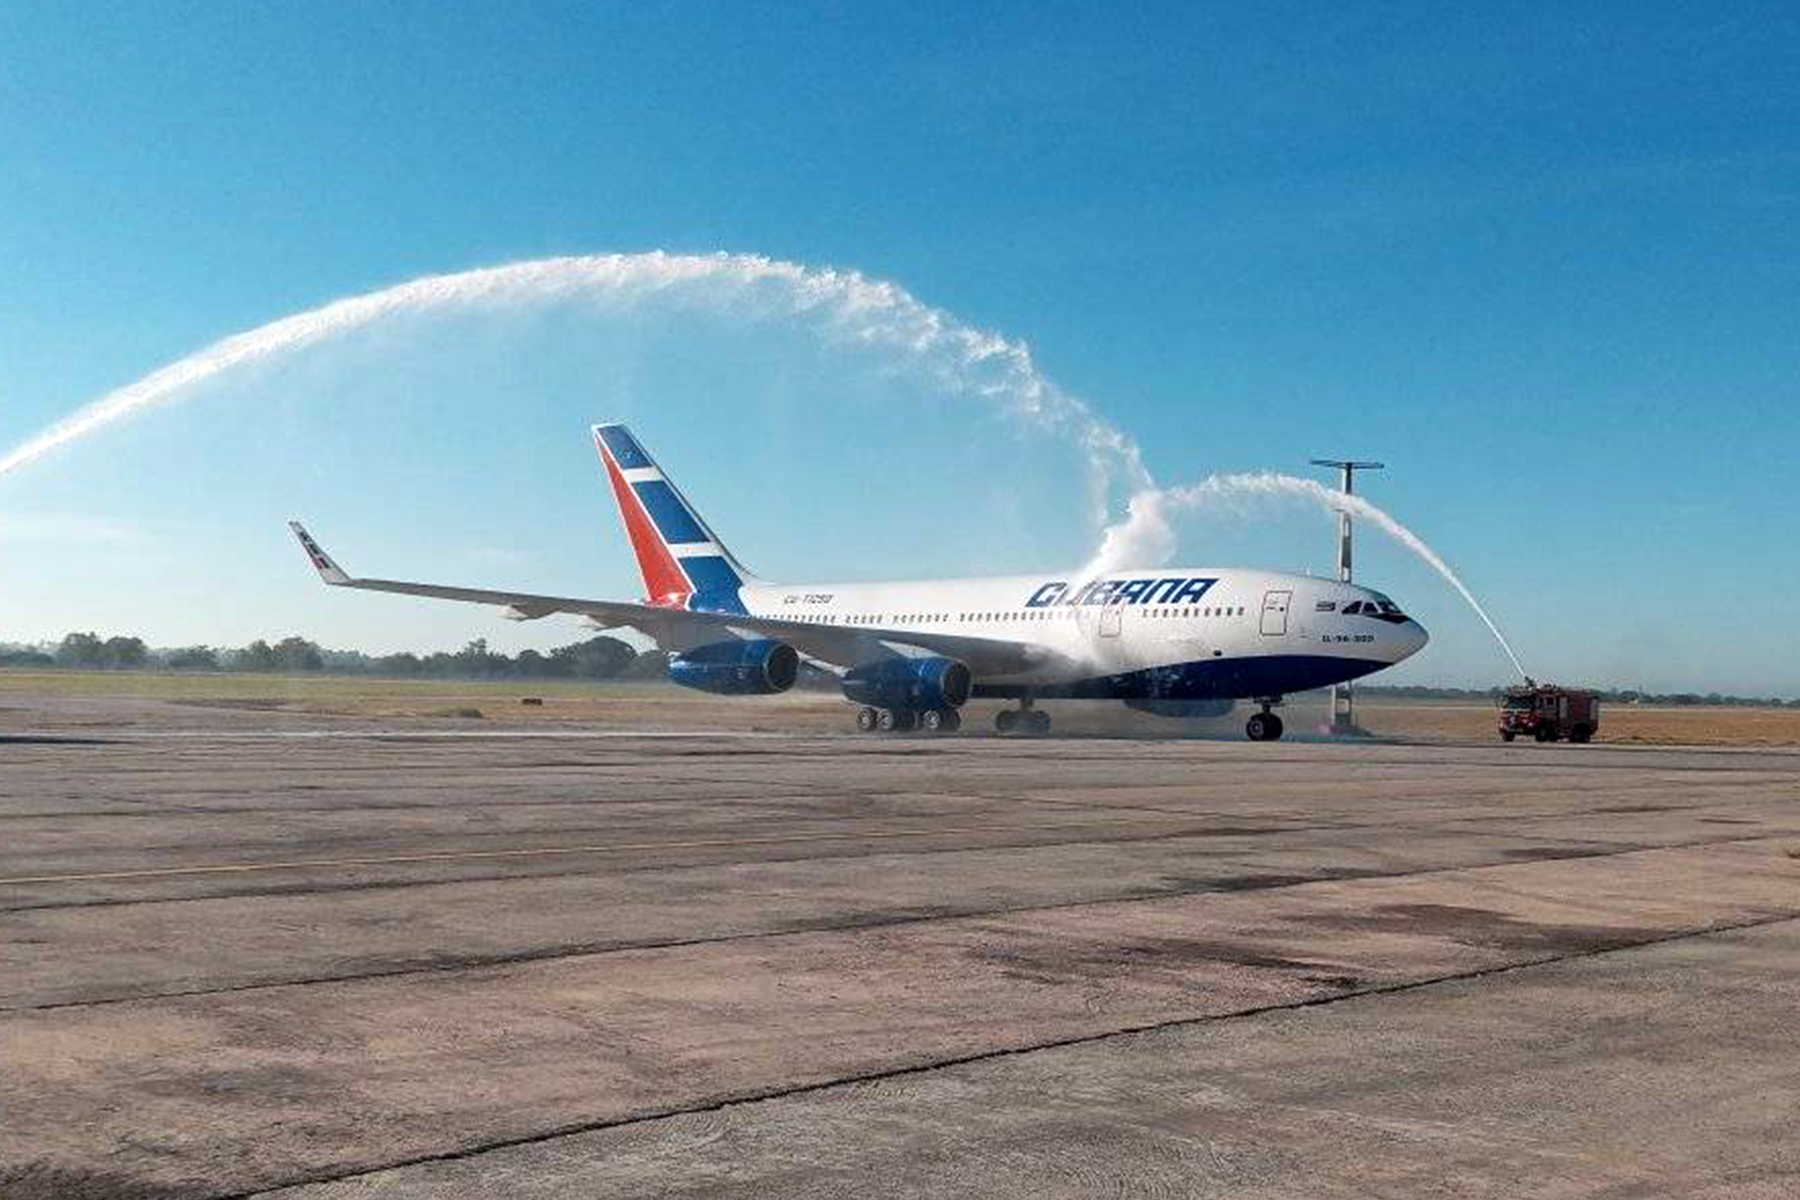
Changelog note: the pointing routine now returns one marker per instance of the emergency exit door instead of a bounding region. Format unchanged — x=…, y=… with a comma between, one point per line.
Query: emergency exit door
x=1275, y=613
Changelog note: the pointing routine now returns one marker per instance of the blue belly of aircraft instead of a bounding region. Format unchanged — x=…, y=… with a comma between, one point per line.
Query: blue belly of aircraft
x=1208, y=679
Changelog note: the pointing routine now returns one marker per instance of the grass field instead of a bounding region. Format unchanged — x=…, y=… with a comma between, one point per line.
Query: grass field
x=663, y=706
x=1645, y=724
x=299, y=689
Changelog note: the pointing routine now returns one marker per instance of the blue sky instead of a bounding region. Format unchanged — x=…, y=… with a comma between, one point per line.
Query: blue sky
x=1544, y=263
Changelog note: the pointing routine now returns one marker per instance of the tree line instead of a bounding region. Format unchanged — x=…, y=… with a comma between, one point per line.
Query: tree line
x=596, y=658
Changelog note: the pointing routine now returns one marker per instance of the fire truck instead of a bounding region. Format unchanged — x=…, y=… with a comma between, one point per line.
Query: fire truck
x=1548, y=713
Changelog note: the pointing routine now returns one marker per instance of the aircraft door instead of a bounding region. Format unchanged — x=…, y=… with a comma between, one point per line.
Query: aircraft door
x=1111, y=620
x=1275, y=613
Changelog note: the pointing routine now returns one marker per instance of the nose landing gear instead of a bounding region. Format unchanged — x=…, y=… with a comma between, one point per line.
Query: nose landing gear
x=1023, y=719
x=1264, y=726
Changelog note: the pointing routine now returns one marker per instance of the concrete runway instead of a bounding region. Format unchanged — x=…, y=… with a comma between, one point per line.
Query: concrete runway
x=243, y=954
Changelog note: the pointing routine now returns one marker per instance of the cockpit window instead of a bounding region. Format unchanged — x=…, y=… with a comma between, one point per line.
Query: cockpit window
x=1380, y=607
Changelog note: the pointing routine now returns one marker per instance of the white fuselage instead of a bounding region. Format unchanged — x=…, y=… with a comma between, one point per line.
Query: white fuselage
x=1233, y=631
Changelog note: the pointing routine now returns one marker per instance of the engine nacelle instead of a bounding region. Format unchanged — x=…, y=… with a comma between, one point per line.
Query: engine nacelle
x=913, y=683
x=737, y=668
x=1184, y=710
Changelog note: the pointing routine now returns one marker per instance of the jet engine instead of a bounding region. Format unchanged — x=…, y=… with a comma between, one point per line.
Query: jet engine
x=1184, y=710
x=758, y=667
x=909, y=683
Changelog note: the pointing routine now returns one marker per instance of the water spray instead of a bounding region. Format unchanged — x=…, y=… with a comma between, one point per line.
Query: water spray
x=849, y=306
x=962, y=359
x=1145, y=529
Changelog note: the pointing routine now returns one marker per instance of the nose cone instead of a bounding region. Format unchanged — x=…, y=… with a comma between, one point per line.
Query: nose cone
x=1409, y=639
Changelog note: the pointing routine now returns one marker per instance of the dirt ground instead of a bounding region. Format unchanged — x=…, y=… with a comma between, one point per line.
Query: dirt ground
x=635, y=706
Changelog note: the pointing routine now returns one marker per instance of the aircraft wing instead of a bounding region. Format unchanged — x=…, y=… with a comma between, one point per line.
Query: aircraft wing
x=679, y=628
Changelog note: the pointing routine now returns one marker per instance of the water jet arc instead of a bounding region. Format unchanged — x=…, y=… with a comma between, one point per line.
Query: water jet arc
x=963, y=359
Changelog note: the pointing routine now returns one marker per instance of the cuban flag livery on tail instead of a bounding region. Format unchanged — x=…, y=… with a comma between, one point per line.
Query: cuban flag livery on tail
x=683, y=563
x=1178, y=642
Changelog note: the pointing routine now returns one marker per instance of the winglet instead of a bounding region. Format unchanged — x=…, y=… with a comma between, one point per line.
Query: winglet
x=329, y=571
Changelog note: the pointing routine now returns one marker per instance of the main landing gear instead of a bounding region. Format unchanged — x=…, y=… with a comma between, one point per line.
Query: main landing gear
x=1264, y=726
x=1023, y=719
x=905, y=720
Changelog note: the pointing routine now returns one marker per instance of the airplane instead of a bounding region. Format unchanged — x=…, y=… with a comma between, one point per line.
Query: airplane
x=1175, y=641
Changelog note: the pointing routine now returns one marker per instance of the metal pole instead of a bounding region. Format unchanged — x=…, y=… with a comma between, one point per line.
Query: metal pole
x=1343, y=695
x=1344, y=556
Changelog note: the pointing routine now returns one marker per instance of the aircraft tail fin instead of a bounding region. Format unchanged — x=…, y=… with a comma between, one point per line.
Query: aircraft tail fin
x=683, y=562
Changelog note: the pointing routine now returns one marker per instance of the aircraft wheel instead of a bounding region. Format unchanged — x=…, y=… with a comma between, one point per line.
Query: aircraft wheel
x=1040, y=722
x=1257, y=728
x=937, y=720
x=905, y=720
x=1006, y=720
x=1276, y=728
x=868, y=720
x=887, y=720
x=952, y=720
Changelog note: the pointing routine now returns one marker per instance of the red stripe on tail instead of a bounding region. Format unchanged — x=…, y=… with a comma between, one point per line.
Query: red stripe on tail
x=663, y=580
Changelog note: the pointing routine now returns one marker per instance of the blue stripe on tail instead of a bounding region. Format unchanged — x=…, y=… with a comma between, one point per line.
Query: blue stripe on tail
x=624, y=447
x=710, y=573
x=673, y=520
x=715, y=584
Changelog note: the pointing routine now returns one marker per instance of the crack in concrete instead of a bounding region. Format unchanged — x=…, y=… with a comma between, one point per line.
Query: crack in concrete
x=599, y=949
x=764, y=1095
